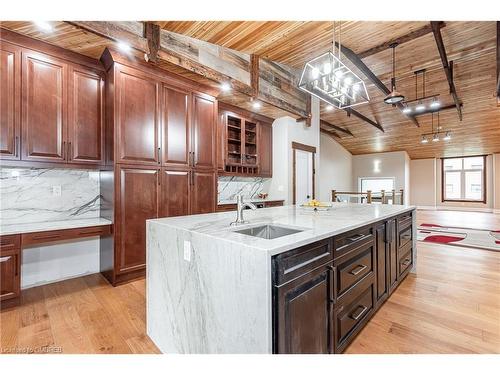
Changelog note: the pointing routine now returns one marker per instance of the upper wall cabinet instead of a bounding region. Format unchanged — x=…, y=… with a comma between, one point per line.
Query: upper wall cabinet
x=44, y=108
x=86, y=116
x=137, y=117
x=51, y=104
x=10, y=94
x=176, y=130
x=204, y=130
x=245, y=143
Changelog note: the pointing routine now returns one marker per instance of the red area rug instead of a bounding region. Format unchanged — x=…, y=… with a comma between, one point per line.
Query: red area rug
x=442, y=239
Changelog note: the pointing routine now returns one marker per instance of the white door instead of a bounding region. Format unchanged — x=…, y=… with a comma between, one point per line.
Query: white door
x=303, y=176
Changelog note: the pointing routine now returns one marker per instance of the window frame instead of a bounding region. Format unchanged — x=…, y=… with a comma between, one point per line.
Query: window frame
x=443, y=185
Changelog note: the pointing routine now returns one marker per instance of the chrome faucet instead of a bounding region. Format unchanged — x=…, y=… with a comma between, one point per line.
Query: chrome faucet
x=240, y=208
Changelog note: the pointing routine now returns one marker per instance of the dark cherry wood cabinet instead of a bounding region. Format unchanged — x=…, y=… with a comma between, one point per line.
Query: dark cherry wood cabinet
x=44, y=113
x=10, y=101
x=203, y=192
x=136, y=202
x=175, y=192
x=244, y=142
x=10, y=269
x=265, y=148
x=51, y=105
x=86, y=116
x=137, y=124
x=176, y=128
x=204, y=132
x=325, y=293
x=162, y=131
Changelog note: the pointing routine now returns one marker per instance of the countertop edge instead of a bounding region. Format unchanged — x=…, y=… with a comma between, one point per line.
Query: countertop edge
x=62, y=225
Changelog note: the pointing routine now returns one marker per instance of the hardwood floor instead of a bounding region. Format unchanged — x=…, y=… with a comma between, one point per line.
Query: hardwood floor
x=452, y=305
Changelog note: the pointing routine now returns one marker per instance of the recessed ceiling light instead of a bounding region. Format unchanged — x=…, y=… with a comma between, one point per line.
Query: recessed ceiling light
x=124, y=46
x=225, y=86
x=329, y=108
x=256, y=104
x=44, y=25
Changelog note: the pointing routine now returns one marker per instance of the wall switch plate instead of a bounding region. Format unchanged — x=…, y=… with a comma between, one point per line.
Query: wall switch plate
x=56, y=190
x=187, y=251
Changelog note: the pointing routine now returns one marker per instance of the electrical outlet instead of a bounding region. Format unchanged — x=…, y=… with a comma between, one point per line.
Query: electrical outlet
x=56, y=190
x=187, y=251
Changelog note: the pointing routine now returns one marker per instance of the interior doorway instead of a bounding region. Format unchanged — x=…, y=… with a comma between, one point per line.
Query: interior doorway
x=303, y=173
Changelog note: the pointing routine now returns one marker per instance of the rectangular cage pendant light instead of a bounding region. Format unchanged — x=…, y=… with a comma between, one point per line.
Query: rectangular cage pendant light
x=327, y=78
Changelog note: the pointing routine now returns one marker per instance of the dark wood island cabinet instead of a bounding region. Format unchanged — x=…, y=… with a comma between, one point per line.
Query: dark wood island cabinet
x=325, y=293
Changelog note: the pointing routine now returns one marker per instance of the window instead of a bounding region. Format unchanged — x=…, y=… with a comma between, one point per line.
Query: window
x=377, y=184
x=463, y=179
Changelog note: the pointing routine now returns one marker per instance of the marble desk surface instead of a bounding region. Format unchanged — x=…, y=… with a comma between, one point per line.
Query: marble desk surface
x=52, y=225
x=341, y=218
x=252, y=200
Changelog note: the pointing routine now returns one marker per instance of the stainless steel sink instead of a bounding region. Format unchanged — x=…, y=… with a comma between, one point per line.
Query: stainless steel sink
x=268, y=231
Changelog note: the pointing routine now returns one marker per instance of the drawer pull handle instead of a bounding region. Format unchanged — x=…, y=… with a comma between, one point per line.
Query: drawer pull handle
x=406, y=262
x=360, y=313
x=46, y=237
x=96, y=232
x=356, y=237
x=358, y=269
x=5, y=259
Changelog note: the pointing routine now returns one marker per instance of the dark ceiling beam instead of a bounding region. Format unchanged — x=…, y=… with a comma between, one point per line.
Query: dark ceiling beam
x=152, y=34
x=498, y=60
x=254, y=74
x=307, y=118
x=364, y=118
x=335, y=127
x=181, y=54
x=427, y=29
x=332, y=134
x=434, y=110
x=358, y=63
x=448, y=68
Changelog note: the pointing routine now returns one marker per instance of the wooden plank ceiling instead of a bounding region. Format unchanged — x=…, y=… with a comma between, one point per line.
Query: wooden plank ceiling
x=472, y=46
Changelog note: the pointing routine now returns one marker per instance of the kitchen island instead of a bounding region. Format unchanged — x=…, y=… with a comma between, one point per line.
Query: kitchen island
x=293, y=280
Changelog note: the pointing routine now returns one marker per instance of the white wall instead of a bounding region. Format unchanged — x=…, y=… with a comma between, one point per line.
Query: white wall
x=336, y=168
x=387, y=164
x=423, y=182
x=285, y=131
x=59, y=261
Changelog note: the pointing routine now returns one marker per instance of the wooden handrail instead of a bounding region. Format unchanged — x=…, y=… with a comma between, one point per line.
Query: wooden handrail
x=370, y=195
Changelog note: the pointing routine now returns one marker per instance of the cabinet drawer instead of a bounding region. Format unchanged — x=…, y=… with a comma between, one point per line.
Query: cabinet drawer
x=353, y=313
x=10, y=242
x=65, y=234
x=294, y=263
x=10, y=267
x=405, y=261
x=347, y=242
x=355, y=268
x=405, y=237
x=404, y=221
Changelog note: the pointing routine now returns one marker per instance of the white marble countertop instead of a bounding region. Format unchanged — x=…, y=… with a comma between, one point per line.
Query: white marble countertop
x=253, y=200
x=341, y=218
x=51, y=225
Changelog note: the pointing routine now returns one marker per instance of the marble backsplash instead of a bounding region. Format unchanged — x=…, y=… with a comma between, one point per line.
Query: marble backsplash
x=229, y=186
x=30, y=195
